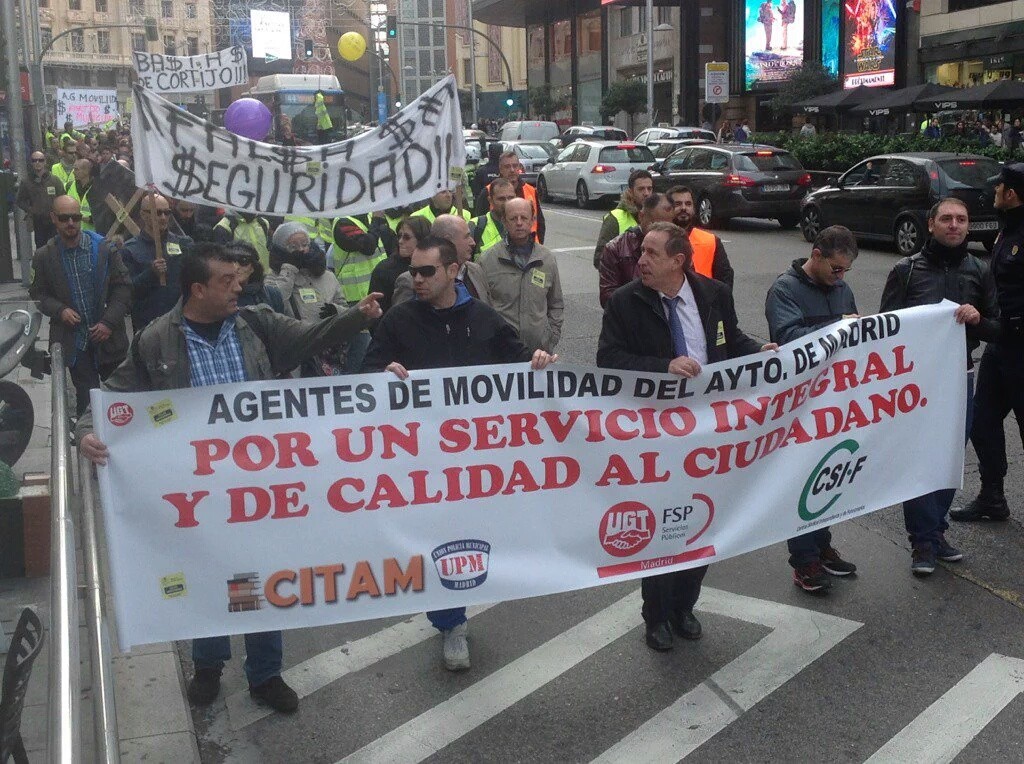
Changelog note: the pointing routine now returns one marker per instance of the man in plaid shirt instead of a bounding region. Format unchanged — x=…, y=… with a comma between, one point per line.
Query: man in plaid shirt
x=206, y=340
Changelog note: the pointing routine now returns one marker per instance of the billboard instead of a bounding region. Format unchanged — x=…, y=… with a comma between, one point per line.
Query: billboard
x=869, y=48
x=830, y=36
x=271, y=34
x=774, y=41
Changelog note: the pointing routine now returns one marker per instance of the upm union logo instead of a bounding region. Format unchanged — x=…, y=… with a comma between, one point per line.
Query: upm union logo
x=462, y=564
x=119, y=414
x=626, y=528
x=836, y=470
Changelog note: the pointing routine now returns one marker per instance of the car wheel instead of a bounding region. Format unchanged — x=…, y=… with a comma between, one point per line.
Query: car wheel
x=810, y=223
x=789, y=221
x=542, y=189
x=582, y=196
x=706, y=213
x=908, y=236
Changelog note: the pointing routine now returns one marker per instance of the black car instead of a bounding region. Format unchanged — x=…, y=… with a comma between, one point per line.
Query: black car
x=738, y=180
x=887, y=197
x=663, y=148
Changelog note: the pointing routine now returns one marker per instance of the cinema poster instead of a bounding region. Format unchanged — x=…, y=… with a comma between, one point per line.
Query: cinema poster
x=774, y=47
x=830, y=36
x=869, y=49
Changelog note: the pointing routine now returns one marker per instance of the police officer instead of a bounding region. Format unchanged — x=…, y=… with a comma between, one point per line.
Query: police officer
x=1001, y=375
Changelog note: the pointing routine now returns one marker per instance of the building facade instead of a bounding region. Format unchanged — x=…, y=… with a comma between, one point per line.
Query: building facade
x=971, y=42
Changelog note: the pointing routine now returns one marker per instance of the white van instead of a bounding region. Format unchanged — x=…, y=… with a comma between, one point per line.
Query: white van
x=529, y=131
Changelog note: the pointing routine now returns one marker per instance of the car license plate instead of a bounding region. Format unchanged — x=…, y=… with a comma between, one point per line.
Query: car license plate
x=984, y=225
x=775, y=188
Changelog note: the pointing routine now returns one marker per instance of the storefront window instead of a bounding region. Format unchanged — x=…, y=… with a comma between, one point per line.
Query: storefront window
x=536, y=48
x=561, y=68
x=588, y=53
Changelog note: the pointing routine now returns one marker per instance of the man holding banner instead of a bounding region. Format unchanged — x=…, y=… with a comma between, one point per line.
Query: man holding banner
x=206, y=340
x=671, y=320
x=445, y=327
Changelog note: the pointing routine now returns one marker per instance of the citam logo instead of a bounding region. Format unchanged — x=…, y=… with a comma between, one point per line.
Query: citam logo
x=119, y=414
x=626, y=528
x=837, y=469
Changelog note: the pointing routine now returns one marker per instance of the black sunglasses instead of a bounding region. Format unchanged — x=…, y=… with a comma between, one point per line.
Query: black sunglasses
x=426, y=271
x=39, y=160
x=76, y=216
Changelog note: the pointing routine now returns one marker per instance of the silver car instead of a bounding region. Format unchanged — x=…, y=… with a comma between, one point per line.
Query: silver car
x=591, y=170
x=532, y=156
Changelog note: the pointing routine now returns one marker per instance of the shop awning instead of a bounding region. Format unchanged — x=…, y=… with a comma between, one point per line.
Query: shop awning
x=902, y=100
x=835, y=103
x=1002, y=93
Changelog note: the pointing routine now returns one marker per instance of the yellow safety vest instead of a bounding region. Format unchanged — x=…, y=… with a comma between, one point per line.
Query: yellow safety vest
x=393, y=222
x=317, y=228
x=64, y=176
x=490, y=234
x=624, y=219
x=353, y=269
x=323, y=119
x=254, y=233
x=428, y=213
x=83, y=203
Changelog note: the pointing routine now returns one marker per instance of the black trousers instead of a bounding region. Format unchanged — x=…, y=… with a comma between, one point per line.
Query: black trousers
x=675, y=592
x=1000, y=390
x=86, y=375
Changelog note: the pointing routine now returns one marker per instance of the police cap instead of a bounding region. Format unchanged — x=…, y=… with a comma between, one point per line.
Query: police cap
x=1011, y=176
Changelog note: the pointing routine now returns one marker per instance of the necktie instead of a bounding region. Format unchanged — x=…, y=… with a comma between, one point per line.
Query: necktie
x=676, y=326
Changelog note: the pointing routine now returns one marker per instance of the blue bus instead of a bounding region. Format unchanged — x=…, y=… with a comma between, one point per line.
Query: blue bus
x=290, y=99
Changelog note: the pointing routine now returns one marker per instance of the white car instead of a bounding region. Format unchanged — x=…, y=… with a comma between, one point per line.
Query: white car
x=591, y=170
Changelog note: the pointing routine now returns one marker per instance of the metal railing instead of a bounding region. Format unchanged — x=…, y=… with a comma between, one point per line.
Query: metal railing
x=64, y=691
x=65, y=666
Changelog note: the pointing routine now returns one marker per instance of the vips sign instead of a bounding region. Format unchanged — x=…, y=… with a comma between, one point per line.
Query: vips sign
x=85, y=107
x=403, y=161
x=189, y=74
x=306, y=502
x=869, y=51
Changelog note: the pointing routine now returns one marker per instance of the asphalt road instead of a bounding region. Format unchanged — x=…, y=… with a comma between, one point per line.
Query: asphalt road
x=886, y=668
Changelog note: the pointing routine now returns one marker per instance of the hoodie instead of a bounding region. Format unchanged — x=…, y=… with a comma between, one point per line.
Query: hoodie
x=796, y=305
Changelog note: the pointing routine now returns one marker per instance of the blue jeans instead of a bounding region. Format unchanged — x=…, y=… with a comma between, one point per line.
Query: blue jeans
x=442, y=620
x=356, y=352
x=925, y=516
x=263, y=655
x=806, y=548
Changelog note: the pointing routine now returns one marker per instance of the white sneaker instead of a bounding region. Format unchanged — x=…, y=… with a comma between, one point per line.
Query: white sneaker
x=456, y=648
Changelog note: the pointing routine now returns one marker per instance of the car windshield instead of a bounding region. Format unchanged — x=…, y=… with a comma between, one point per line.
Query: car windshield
x=610, y=135
x=766, y=160
x=664, y=149
x=534, y=151
x=969, y=173
x=638, y=154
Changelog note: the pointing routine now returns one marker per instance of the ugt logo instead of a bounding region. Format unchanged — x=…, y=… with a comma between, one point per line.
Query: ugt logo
x=836, y=470
x=626, y=528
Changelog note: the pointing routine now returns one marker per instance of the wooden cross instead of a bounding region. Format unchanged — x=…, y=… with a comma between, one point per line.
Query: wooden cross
x=154, y=232
x=123, y=213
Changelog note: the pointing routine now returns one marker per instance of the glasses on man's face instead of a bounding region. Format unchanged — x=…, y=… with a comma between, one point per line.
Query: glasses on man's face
x=426, y=271
x=838, y=270
x=70, y=216
x=40, y=160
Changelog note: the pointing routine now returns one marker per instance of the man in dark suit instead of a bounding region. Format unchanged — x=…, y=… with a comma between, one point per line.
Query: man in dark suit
x=671, y=320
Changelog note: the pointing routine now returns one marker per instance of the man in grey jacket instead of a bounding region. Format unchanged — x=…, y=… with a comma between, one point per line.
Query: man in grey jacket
x=522, y=278
x=206, y=340
x=810, y=295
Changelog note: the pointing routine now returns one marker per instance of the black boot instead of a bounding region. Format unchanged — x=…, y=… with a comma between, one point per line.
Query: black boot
x=990, y=504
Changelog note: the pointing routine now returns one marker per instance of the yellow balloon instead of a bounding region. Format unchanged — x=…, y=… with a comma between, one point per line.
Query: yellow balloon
x=351, y=46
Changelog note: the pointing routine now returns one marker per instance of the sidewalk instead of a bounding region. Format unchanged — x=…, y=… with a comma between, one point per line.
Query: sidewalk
x=154, y=721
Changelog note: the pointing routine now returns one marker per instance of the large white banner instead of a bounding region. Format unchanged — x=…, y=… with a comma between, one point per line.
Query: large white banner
x=84, y=106
x=403, y=161
x=189, y=74
x=286, y=504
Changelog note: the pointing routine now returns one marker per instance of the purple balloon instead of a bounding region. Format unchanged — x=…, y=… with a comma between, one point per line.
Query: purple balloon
x=248, y=118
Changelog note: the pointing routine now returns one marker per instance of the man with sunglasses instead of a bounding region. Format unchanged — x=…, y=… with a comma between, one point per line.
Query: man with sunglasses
x=150, y=298
x=810, y=295
x=442, y=328
x=84, y=289
x=64, y=169
x=36, y=194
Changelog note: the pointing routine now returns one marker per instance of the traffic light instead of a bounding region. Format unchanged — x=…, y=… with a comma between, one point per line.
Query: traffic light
x=392, y=26
x=309, y=49
x=152, y=35
x=509, y=102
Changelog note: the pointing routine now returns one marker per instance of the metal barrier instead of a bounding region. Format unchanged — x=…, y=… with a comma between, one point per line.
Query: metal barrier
x=65, y=665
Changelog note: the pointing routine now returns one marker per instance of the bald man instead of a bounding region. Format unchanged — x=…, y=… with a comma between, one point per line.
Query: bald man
x=84, y=289
x=150, y=298
x=456, y=230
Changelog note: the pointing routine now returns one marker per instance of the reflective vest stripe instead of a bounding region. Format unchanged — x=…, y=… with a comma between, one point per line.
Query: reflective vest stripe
x=317, y=228
x=353, y=269
x=624, y=219
x=253, y=233
x=530, y=194
x=428, y=213
x=83, y=203
x=704, y=245
x=490, y=234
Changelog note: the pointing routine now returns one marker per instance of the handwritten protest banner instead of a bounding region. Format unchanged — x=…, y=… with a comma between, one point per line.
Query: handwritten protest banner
x=285, y=504
x=85, y=106
x=189, y=74
x=404, y=161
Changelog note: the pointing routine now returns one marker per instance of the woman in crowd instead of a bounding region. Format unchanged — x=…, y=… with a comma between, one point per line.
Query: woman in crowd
x=255, y=291
x=411, y=232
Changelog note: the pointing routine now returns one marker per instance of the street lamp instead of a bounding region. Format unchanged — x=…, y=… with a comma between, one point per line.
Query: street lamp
x=651, y=29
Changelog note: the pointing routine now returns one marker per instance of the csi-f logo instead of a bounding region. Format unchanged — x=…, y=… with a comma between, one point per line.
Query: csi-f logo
x=836, y=470
x=626, y=528
x=462, y=564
